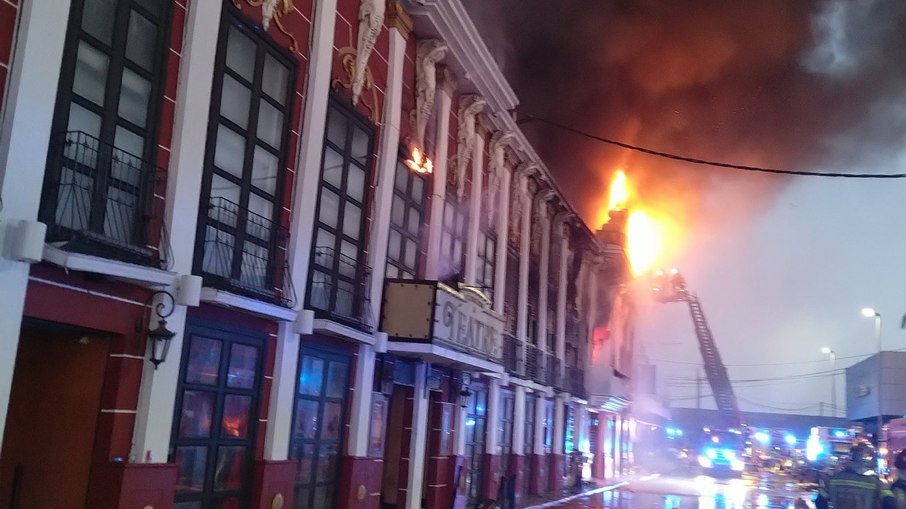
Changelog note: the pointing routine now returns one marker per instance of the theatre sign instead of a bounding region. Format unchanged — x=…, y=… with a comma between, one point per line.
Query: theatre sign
x=432, y=312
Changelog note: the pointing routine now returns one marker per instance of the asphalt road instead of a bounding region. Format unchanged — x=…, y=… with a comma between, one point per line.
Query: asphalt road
x=756, y=491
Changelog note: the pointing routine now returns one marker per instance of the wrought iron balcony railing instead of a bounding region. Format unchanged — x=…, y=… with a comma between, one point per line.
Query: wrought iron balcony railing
x=513, y=360
x=245, y=253
x=339, y=289
x=575, y=381
x=535, y=368
x=552, y=371
x=100, y=200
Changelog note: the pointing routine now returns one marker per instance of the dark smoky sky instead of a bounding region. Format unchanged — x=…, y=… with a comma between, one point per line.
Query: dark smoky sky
x=794, y=84
x=782, y=264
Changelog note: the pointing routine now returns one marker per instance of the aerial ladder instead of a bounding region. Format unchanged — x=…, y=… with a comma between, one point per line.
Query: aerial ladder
x=671, y=287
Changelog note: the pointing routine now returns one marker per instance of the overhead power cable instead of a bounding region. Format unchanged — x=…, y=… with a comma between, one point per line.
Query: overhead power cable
x=706, y=162
x=762, y=364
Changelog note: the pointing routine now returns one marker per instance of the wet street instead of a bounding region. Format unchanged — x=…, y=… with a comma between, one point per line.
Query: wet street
x=756, y=491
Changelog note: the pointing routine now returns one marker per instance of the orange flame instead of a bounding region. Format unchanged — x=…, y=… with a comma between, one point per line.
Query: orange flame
x=419, y=163
x=644, y=234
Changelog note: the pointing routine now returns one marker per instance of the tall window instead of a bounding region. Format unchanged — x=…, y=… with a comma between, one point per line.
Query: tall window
x=404, y=245
x=243, y=179
x=338, y=272
x=505, y=432
x=453, y=239
x=529, y=443
x=487, y=255
x=476, y=424
x=98, y=184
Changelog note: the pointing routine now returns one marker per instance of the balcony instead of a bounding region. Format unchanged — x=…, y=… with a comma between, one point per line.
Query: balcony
x=574, y=382
x=552, y=373
x=339, y=289
x=245, y=253
x=535, y=364
x=513, y=361
x=100, y=200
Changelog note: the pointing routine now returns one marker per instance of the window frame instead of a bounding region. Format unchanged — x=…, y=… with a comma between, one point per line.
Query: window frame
x=108, y=112
x=486, y=254
x=264, y=47
x=452, y=205
x=409, y=204
x=354, y=118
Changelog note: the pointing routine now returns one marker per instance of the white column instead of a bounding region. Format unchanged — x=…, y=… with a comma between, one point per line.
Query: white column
x=503, y=229
x=311, y=142
x=540, y=416
x=519, y=420
x=475, y=211
x=419, y=438
x=561, y=297
x=543, y=271
x=525, y=204
x=280, y=409
x=559, y=416
x=24, y=134
x=435, y=224
x=388, y=157
x=460, y=436
x=157, y=395
x=361, y=402
x=491, y=441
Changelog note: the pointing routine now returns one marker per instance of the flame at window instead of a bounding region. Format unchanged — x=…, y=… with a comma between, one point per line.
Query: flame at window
x=419, y=163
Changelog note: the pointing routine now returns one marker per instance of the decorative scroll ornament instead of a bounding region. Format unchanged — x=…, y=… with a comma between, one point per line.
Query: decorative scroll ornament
x=498, y=145
x=270, y=12
x=469, y=107
x=428, y=53
x=371, y=18
x=348, y=59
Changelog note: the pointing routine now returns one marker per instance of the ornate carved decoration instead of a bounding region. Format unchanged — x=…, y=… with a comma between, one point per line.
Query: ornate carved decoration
x=428, y=53
x=371, y=19
x=519, y=200
x=498, y=145
x=398, y=18
x=270, y=12
x=469, y=107
x=348, y=58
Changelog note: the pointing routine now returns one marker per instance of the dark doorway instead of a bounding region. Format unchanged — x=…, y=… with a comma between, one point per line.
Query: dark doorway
x=53, y=411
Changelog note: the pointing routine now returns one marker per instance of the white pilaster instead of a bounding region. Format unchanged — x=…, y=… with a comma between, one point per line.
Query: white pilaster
x=525, y=204
x=503, y=229
x=561, y=297
x=388, y=157
x=559, y=422
x=361, y=402
x=436, y=221
x=280, y=409
x=157, y=395
x=543, y=271
x=540, y=416
x=471, y=272
x=491, y=441
x=311, y=142
x=460, y=435
x=419, y=438
x=27, y=117
x=518, y=420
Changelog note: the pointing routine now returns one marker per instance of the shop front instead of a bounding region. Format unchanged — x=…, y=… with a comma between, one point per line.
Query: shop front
x=455, y=337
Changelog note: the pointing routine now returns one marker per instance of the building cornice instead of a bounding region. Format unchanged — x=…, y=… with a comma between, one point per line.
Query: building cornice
x=455, y=27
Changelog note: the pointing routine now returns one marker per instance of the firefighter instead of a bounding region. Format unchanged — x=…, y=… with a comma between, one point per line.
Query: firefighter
x=857, y=486
x=899, y=486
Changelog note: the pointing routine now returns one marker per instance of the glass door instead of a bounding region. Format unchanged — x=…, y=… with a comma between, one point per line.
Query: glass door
x=319, y=418
x=214, y=428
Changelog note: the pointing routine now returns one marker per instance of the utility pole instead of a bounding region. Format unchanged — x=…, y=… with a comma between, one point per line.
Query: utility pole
x=698, y=390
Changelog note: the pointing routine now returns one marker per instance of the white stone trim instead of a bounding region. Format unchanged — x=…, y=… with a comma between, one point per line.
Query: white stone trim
x=143, y=276
x=335, y=329
x=247, y=304
x=283, y=388
x=440, y=355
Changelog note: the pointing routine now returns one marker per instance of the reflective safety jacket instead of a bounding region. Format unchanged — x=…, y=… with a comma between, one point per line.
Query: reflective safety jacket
x=899, y=493
x=851, y=490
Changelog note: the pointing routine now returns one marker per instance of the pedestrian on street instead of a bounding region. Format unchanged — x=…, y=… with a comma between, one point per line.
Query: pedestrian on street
x=899, y=486
x=857, y=486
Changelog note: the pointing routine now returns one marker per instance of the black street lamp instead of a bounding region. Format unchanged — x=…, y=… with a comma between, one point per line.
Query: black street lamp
x=160, y=336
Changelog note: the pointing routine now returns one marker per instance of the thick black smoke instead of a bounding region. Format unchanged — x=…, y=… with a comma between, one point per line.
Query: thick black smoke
x=793, y=84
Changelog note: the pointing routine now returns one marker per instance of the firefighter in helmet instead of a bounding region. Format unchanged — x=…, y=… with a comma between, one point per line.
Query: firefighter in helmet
x=857, y=486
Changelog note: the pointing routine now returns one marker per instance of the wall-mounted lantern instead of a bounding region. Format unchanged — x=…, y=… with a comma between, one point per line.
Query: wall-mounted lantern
x=160, y=336
x=465, y=380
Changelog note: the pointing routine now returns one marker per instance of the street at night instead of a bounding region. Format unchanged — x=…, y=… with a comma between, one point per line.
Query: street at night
x=677, y=491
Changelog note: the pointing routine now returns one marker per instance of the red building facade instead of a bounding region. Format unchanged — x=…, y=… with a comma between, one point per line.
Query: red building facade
x=252, y=291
